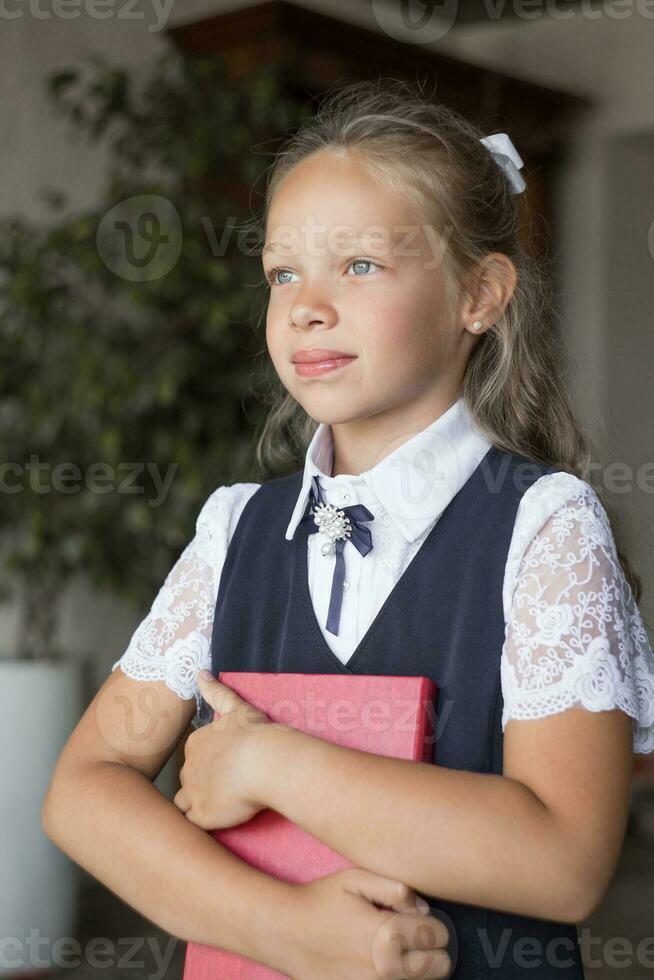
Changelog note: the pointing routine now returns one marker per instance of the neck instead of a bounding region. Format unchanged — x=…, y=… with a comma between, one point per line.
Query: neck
x=361, y=444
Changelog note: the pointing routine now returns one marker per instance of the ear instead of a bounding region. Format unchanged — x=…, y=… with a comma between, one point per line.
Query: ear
x=490, y=288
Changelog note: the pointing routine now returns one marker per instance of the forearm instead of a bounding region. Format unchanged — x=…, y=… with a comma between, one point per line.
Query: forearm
x=477, y=838
x=115, y=823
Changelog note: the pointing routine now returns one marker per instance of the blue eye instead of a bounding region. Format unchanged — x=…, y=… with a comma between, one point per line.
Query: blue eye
x=271, y=277
x=363, y=262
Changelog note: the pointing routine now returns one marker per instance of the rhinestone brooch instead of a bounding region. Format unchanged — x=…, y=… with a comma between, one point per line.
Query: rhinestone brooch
x=332, y=522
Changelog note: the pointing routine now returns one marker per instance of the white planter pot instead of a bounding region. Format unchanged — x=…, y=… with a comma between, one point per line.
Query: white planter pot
x=40, y=704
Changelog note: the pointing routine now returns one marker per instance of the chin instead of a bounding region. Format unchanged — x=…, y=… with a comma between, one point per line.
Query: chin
x=331, y=415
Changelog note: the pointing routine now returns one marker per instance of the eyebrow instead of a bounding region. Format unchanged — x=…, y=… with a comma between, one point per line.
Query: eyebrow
x=342, y=239
x=270, y=247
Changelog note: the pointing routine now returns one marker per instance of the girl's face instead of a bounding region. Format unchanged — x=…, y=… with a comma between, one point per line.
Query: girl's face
x=353, y=268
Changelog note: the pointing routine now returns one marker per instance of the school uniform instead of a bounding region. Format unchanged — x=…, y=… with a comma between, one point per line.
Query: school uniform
x=440, y=571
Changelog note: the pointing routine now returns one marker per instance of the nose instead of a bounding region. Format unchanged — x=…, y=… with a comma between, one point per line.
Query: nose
x=308, y=311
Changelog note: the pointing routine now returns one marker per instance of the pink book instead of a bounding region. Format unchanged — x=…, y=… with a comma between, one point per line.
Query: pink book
x=386, y=715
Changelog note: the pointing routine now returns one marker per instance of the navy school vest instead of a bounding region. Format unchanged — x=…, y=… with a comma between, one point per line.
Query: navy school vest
x=444, y=620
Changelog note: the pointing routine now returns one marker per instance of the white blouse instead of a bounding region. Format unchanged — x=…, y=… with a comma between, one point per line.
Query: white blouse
x=573, y=633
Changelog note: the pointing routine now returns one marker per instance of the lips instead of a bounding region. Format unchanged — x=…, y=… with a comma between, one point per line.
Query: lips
x=316, y=355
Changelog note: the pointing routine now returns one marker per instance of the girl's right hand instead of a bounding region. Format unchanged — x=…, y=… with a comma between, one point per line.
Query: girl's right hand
x=357, y=925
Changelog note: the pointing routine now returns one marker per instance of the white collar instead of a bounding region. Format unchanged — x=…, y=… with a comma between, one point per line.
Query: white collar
x=414, y=483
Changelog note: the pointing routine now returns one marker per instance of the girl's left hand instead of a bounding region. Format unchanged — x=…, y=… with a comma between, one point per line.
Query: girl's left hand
x=221, y=773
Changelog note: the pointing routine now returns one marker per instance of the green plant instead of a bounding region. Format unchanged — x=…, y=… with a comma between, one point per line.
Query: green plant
x=145, y=376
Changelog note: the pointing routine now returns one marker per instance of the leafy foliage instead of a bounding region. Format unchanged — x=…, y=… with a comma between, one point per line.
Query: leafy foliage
x=143, y=376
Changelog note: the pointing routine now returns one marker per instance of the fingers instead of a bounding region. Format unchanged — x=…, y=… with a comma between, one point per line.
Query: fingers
x=181, y=800
x=421, y=965
x=419, y=932
x=412, y=946
x=221, y=697
x=382, y=891
x=411, y=943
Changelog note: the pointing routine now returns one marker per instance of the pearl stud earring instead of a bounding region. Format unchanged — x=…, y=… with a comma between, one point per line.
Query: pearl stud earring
x=476, y=325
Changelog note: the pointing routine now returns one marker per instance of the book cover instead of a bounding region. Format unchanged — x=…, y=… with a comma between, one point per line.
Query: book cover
x=387, y=715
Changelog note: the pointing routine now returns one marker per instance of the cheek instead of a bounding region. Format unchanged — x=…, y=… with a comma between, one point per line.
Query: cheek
x=273, y=337
x=270, y=324
x=401, y=332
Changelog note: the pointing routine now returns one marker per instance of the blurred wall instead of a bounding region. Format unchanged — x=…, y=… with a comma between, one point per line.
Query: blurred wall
x=629, y=292
x=603, y=210
x=604, y=234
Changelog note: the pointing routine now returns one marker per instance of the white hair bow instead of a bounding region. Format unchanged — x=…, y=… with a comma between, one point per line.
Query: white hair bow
x=508, y=158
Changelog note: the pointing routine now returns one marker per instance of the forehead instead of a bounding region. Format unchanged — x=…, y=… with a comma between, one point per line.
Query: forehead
x=314, y=238
x=330, y=199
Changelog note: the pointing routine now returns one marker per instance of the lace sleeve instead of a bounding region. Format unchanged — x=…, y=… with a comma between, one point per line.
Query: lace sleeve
x=173, y=642
x=574, y=634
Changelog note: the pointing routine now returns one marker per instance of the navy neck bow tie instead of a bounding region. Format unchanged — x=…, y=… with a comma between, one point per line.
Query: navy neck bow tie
x=341, y=525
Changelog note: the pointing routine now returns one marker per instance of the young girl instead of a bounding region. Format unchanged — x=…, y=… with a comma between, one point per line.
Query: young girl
x=420, y=375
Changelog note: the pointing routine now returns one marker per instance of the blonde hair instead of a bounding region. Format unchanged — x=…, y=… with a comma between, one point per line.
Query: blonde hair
x=513, y=385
